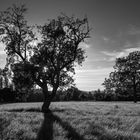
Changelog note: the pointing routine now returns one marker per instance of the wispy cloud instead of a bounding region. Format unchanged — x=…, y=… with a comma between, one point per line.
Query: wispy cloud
x=2, y=46
x=134, y=30
x=2, y=52
x=2, y=60
x=106, y=39
x=84, y=45
x=128, y=44
x=116, y=54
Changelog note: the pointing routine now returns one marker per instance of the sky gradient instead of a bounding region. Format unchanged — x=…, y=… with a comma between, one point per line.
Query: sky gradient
x=115, y=32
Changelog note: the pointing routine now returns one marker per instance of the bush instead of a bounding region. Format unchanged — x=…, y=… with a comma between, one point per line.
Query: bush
x=35, y=96
x=7, y=95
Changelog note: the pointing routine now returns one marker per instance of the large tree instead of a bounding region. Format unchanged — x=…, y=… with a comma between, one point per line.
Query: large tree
x=56, y=55
x=51, y=65
x=126, y=75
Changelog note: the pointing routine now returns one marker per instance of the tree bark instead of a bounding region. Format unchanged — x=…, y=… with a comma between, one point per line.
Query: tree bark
x=134, y=89
x=135, y=94
x=48, y=97
x=47, y=100
x=45, y=106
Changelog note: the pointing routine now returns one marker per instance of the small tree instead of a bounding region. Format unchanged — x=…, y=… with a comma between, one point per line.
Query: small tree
x=57, y=53
x=126, y=75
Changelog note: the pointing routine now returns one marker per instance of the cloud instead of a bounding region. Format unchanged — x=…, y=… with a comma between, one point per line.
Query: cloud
x=2, y=46
x=84, y=45
x=2, y=60
x=134, y=30
x=128, y=44
x=91, y=79
x=116, y=54
x=2, y=52
x=106, y=39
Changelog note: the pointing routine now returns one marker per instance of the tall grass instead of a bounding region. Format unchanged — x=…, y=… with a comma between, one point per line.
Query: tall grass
x=71, y=121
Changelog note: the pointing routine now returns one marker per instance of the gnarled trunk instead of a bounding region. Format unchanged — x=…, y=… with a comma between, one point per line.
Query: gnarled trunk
x=48, y=97
x=45, y=106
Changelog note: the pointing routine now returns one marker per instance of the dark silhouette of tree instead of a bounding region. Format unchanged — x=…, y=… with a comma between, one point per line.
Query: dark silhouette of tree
x=51, y=65
x=22, y=79
x=57, y=54
x=126, y=75
x=17, y=37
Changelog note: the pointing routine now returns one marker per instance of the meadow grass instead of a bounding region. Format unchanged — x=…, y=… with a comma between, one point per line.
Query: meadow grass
x=70, y=121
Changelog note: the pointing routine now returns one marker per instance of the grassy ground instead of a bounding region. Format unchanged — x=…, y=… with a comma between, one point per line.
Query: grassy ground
x=71, y=121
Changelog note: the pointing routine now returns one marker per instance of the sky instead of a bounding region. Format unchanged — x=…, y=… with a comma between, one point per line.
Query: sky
x=115, y=32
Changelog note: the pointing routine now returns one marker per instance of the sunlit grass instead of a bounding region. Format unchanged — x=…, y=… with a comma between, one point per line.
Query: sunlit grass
x=71, y=121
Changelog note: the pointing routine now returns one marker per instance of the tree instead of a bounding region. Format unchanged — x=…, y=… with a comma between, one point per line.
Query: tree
x=55, y=56
x=51, y=65
x=15, y=33
x=113, y=84
x=126, y=75
x=17, y=36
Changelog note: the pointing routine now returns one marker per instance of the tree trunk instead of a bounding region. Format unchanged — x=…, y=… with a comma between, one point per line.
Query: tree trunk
x=47, y=100
x=135, y=94
x=45, y=106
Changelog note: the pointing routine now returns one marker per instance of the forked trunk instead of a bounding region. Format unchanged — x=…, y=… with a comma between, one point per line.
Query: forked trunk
x=45, y=106
x=47, y=99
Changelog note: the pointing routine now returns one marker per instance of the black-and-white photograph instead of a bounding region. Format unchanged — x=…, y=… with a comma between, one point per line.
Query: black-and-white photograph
x=69, y=69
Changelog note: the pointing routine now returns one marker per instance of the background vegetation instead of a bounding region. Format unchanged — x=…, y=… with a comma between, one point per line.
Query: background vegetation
x=71, y=94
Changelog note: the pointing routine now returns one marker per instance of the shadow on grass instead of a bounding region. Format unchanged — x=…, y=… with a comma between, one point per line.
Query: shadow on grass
x=46, y=130
x=31, y=110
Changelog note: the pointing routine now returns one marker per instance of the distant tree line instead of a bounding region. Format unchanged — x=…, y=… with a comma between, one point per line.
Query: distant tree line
x=71, y=94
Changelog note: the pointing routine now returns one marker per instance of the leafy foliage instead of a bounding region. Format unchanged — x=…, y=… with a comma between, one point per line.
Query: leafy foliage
x=16, y=35
x=59, y=49
x=126, y=75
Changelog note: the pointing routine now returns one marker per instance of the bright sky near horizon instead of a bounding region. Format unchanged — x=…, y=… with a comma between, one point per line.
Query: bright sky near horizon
x=115, y=32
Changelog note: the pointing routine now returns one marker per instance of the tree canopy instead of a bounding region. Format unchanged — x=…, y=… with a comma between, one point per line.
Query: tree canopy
x=126, y=74
x=16, y=34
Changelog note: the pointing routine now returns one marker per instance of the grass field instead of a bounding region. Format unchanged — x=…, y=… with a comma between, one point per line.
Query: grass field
x=70, y=121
